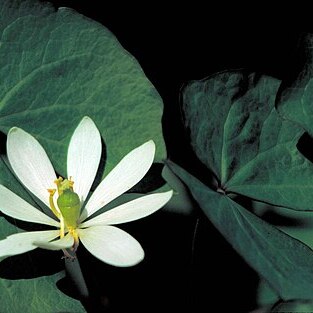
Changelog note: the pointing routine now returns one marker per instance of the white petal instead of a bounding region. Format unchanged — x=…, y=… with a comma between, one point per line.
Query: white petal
x=63, y=243
x=14, y=206
x=127, y=173
x=132, y=210
x=30, y=163
x=111, y=245
x=23, y=242
x=83, y=156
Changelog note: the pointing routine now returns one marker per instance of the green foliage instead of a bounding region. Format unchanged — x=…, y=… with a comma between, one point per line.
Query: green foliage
x=237, y=133
x=293, y=306
x=55, y=68
x=266, y=295
x=36, y=295
x=252, y=151
x=284, y=262
x=58, y=66
x=296, y=95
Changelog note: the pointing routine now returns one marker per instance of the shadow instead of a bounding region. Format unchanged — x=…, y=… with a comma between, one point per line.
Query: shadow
x=151, y=181
x=296, y=70
x=36, y=263
x=169, y=276
x=305, y=145
x=3, y=141
x=92, y=304
x=160, y=281
x=101, y=167
x=27, y=226
x=65, y=285
x=242, y=200
x=276, y=219
x=268, y=213
x=178, y=140
x=221, y=279
x=297, y=305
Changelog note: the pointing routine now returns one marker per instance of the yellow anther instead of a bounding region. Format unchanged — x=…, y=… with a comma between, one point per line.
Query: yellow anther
x=71, y=184
x=51, y=203
x=64, y=184
x=52, y=191
x=58, y=182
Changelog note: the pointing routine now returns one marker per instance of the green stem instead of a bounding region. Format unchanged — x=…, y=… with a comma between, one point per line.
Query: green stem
x=75, y=274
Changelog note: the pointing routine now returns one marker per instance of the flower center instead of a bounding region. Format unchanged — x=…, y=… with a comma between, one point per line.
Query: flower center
x=68, y=205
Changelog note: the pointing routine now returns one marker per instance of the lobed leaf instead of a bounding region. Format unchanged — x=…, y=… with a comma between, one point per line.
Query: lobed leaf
x=237, y=133
x=283, y=261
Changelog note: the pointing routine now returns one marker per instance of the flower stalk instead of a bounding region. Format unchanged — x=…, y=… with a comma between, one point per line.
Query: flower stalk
x=75, y=274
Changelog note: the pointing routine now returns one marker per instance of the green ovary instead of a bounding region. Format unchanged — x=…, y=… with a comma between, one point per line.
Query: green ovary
x=69, y=205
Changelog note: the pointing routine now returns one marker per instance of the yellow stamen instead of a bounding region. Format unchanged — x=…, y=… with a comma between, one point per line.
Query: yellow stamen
x=58, y=182
x=71, y=183
x=73, y=232
x=51, y=202
x=62, y=226
x=62, y=186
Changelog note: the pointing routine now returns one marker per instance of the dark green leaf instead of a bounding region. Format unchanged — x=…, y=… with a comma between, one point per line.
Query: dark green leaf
x=296, y=95
x=297, y=306
x=237, y=133
x=180, y=202
x=266, y=296
x=284, y=262
x=57, y=67
x=298, y=224
x=36, y=295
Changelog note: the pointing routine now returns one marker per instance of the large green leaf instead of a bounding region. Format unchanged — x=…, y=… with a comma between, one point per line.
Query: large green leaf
x=237, y=133
x=33, y=295
x=293, y=306
x=298, y=224
x=56, y=67
x=283, y=261
x=295, y=100
x=265, y=295
x=36, y=295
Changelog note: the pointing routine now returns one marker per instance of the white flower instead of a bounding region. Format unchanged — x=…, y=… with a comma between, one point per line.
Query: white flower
x=66, y=198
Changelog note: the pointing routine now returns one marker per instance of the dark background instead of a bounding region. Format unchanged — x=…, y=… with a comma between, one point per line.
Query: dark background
x=187, y=268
